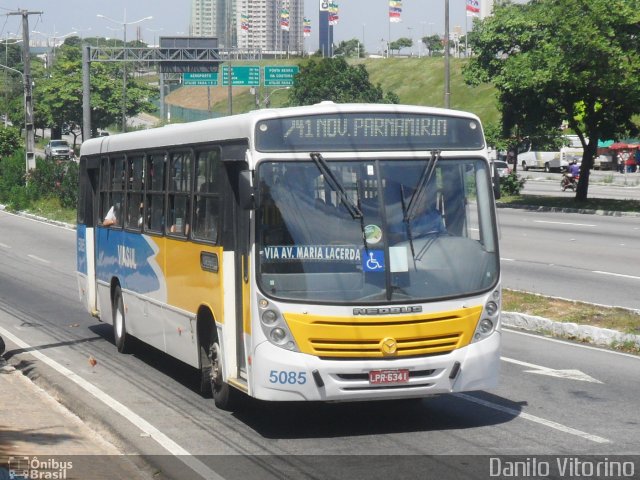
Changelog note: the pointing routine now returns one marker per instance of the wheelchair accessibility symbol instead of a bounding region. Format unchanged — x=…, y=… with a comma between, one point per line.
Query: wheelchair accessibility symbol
x=373, y=261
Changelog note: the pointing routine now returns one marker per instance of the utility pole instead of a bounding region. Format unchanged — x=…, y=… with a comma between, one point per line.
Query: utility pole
x=30, y=139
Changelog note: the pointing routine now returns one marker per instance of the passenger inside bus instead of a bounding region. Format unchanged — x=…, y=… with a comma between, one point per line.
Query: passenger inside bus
x=110, y=218
x=425, y=218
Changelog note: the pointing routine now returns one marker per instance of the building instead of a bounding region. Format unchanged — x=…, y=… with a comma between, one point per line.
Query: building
x=214, y=18
x=251, y=24
x=486, y=8
x=270, y=25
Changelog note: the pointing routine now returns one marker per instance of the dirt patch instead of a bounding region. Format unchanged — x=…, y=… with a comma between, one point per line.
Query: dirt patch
x=198, y=98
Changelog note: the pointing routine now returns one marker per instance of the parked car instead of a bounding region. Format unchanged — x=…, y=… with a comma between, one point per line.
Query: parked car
x=58, y=149
x=502, y=167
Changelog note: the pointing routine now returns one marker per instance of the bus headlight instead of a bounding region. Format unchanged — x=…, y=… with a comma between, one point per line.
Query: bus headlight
x=278, y=336
x=274, y=326
x=269, y=317
x=490, y=317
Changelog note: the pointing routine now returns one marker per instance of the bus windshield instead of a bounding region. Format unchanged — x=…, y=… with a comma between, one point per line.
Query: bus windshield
x=425, y=231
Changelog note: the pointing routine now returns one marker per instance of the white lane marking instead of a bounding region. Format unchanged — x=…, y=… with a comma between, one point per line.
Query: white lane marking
x=540, y=370
x=4, y=245
x=507, y=259
x=633, y=277
x=147, y=429
x=566, y=223
x=38, y=259
x=533, y=418
x=571, y=344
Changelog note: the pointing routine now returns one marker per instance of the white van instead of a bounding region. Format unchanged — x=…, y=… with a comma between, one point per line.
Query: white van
x=549, y=161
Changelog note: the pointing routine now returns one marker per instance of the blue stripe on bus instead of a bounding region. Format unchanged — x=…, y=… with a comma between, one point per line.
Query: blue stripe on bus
x=127, y=256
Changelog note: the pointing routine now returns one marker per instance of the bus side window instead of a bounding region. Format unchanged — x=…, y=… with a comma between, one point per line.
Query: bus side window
x=135, y=207
x=155, y=188
x=180, y=185
x=206, y=214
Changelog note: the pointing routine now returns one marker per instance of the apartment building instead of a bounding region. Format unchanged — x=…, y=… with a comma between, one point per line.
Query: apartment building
x=214, y=18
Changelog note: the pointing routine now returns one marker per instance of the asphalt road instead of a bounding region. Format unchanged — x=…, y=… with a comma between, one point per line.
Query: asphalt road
x=554, y=398
x=593, y=258
x=602, y=184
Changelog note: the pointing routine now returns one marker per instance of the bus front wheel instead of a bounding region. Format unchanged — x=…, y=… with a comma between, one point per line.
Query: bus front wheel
x=224, y=396
x=122, y=338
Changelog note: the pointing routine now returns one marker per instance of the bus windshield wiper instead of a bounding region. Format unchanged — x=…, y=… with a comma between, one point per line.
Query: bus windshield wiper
x=336, y=186
x=409, y=210
x=354, y=209
x=418, y=195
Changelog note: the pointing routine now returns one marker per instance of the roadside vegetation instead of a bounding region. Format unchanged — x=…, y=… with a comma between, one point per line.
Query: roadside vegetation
x=567, y=311
x=563, y=202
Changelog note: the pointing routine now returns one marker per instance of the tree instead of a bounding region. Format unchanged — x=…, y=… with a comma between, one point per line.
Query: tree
x=350, y=48
x=334, y=79
x=433, y=43
x=563, y=60
x=58, y=98
x=9, y=141
x=400, y=44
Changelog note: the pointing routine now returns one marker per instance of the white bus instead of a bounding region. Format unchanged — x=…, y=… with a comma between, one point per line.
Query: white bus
x=331, y=252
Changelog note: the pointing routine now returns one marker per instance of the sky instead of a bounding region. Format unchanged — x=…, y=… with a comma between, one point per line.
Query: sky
x=359, y=19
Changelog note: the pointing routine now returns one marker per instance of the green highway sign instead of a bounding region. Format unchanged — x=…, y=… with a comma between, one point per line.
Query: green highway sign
x=280, y=76
x=205, y=79
x=241, y=76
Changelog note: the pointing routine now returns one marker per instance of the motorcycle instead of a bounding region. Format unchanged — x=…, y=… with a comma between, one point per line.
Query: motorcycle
x=569, y=181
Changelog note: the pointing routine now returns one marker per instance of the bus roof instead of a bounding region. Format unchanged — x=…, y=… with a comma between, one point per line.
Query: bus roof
x=239, y=126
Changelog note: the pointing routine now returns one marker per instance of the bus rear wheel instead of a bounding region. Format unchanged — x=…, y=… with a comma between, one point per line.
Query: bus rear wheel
x=123, y=340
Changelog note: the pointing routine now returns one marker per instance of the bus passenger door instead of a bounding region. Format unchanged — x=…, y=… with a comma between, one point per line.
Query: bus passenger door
x=85, y=232
x=236, y=239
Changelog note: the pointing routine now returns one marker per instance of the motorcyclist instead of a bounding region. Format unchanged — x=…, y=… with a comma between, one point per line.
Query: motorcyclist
x=574, y=168
x=570, y=178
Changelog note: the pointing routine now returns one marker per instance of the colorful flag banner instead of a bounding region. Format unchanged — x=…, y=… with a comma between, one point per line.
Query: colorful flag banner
x=395, y=10
x=473, y=8
x=306, y=27
x=244, y=22
x=333, y=13
x=284, y=15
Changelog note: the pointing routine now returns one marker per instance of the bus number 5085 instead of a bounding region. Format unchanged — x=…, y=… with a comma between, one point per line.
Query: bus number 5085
x=288, y=377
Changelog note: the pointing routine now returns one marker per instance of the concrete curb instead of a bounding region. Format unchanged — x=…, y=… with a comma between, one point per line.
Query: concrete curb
x=537, y=208
x=573, y=331
x=38, y=218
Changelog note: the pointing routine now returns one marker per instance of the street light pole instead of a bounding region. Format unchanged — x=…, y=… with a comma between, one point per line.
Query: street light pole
x=124, y=24
x=447, y=69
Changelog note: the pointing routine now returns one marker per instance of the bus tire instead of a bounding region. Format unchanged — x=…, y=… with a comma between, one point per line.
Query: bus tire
x=123, y=340
x=547, y=168
x=2, y=346
x=224, y=396
x=524, y=166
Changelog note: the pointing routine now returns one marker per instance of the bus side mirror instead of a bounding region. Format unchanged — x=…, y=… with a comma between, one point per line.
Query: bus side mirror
x=246, y=191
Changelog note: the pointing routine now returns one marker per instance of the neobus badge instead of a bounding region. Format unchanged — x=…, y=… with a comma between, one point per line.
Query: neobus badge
x=386, y=310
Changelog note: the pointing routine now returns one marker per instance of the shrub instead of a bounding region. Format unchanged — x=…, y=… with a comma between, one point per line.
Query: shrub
x=511, y=184
x=68, y=192
x=12, y=174
x=46, y=178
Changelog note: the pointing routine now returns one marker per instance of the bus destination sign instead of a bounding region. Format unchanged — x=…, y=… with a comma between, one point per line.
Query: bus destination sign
x=374, y=131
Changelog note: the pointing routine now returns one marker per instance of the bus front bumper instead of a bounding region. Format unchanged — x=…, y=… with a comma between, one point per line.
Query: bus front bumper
x=281, y=375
